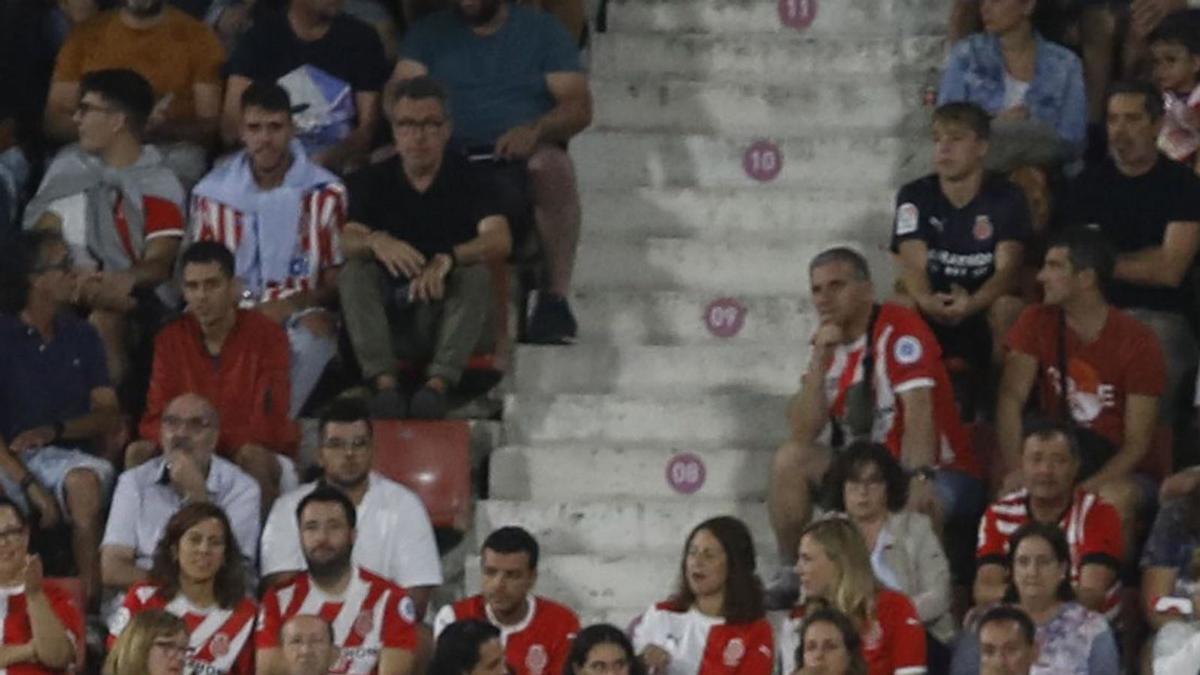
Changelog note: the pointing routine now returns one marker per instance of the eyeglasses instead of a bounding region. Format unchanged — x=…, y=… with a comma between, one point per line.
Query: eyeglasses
x=190, y=424
x=356, y=445
x=411, y=126
x=171, y=648
x=84, y=108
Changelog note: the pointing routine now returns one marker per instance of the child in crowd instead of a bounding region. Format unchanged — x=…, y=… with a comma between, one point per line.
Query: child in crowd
x=1176, y=51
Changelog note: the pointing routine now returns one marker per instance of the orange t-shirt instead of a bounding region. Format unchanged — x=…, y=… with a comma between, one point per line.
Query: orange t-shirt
x=175, y=54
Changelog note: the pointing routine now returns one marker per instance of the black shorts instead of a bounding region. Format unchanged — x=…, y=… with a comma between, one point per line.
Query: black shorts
x=970, y=341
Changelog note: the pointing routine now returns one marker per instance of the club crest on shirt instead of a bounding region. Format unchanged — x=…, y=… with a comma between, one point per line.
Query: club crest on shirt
x=906, y=219
x=219, y=645
x=536, y=659
x=408, y=611
x=907, y=350
x=734, y=651
x=983, y=228
x=364, y=623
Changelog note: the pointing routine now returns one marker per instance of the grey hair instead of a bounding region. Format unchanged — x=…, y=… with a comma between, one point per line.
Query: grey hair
x=842, y=254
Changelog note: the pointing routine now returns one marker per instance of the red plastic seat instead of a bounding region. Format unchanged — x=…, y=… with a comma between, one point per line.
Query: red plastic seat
x=73, y=587
x=433, y=459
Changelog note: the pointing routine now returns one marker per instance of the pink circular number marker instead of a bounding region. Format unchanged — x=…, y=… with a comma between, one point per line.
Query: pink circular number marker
x=797, y=14
x=725, y=317
x=763, y=161
x=686, y=473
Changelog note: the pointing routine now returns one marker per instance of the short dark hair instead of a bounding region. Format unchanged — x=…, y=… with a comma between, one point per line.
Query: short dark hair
x=1052, y=534
x=345, y=411
x=842, y=254
x=1045, y=428
x=1001, y=613
x=600, y=634
x=206, y=253
x=21, y=257
x=850, y=637
x=743, y=588
x=513, y=539
x=1177, y=29
x=849, y=462
x=415, y=88
x=969, y=115
x=1087, y=249
x=124, y=89
x=1152, y=100
x=327, y=494
x=267, y=95
x=457, y=649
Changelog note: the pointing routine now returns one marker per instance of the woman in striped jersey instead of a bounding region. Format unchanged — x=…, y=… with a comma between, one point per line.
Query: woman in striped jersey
x=198, y=576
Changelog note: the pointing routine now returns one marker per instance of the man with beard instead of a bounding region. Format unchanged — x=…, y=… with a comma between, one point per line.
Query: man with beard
x=396, y=539
x=519, y=95
x=374, y=620
x=280, y=214
x=188, y=471
x=178, y=55
x=1148, y=207
x=330, y=62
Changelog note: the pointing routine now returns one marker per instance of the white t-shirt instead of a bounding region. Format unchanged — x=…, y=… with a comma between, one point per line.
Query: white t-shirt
x=1014, y=91
x=395, y=538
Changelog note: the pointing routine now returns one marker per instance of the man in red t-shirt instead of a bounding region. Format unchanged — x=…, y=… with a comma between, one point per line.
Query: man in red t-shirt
x=906, y=403
x=373, y=620
x=236, y=359
x=1092, y=527
x=1114, y=376
x=536, y=632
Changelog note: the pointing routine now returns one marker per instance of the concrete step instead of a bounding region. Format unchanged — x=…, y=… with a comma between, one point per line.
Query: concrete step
x=566, y=471
x=833, y=17
x=732, y=418
x=614, y=525
x=722, y=267
x=633, y=317
x=778, y=57
x=870, y=161
x=597, y=368
x=808, y=106
x=772, y=213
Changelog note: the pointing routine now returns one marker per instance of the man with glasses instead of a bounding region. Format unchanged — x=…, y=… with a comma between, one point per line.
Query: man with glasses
x=374, y=620
x=56, y=401
x=395, y=536
x=422, y=228
x=307, y=643
x=188, y=471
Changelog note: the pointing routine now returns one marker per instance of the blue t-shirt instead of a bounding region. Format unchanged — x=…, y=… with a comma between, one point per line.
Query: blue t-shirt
x=46, y=382
x=496, y=82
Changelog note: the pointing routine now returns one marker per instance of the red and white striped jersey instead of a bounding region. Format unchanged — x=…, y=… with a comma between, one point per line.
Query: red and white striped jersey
x=539, y=645
x=14, y=616
x=1092, y=526
x=894, y=643
x=315, y=246
x=218, y=638
x=372, y=614
x=703, y=645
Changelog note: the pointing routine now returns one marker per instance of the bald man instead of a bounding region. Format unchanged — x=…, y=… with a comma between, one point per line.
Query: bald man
x=308, y=647
x=188, y=471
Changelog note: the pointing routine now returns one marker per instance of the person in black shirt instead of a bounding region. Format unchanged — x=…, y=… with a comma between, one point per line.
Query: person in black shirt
x=333, y=68
x=1148, y=207
x=959, y=235
x=422, y=227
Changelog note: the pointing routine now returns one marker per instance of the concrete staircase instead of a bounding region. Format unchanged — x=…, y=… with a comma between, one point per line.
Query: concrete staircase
x=672, y=221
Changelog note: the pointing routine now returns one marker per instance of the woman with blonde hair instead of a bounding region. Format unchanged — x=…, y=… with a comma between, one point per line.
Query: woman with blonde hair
x=154, y=643
x=834, y=567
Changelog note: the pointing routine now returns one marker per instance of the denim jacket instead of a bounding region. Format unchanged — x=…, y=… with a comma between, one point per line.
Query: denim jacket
x=975, y=72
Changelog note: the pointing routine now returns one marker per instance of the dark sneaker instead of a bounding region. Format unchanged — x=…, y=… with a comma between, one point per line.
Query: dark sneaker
x=427, y=404
x=552, y=322
x=387, y=404
x=782, y=589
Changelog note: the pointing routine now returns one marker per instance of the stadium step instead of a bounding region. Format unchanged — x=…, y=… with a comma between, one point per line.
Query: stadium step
x=763, y=58
x=539, y=472
x=811, y=105
x=832, y=18
x=870, y=161
x=592, y=368
x=726, y=418
x=764, y=212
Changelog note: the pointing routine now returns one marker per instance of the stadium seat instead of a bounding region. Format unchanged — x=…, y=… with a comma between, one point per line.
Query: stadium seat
x=73, y=587
x=433, y=459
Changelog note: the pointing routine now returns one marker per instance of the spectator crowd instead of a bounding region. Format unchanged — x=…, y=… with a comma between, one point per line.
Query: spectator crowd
x=219, y=215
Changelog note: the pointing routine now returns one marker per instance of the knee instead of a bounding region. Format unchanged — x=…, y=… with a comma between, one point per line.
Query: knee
x=138, y=453
x=259, y=462
x=1004, y=312
x=795, y=460
x=356, y=272
x=1098, y=27
x=550, y=163
x=1124, y=496
x=82, y=487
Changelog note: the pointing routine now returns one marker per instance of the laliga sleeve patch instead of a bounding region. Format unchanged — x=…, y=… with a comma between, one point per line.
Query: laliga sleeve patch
x=408, y=610
x=907, y=350
x=119, y=621
x=906, y=219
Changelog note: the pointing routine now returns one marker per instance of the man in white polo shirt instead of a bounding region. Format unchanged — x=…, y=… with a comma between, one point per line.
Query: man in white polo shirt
x=395, y=538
